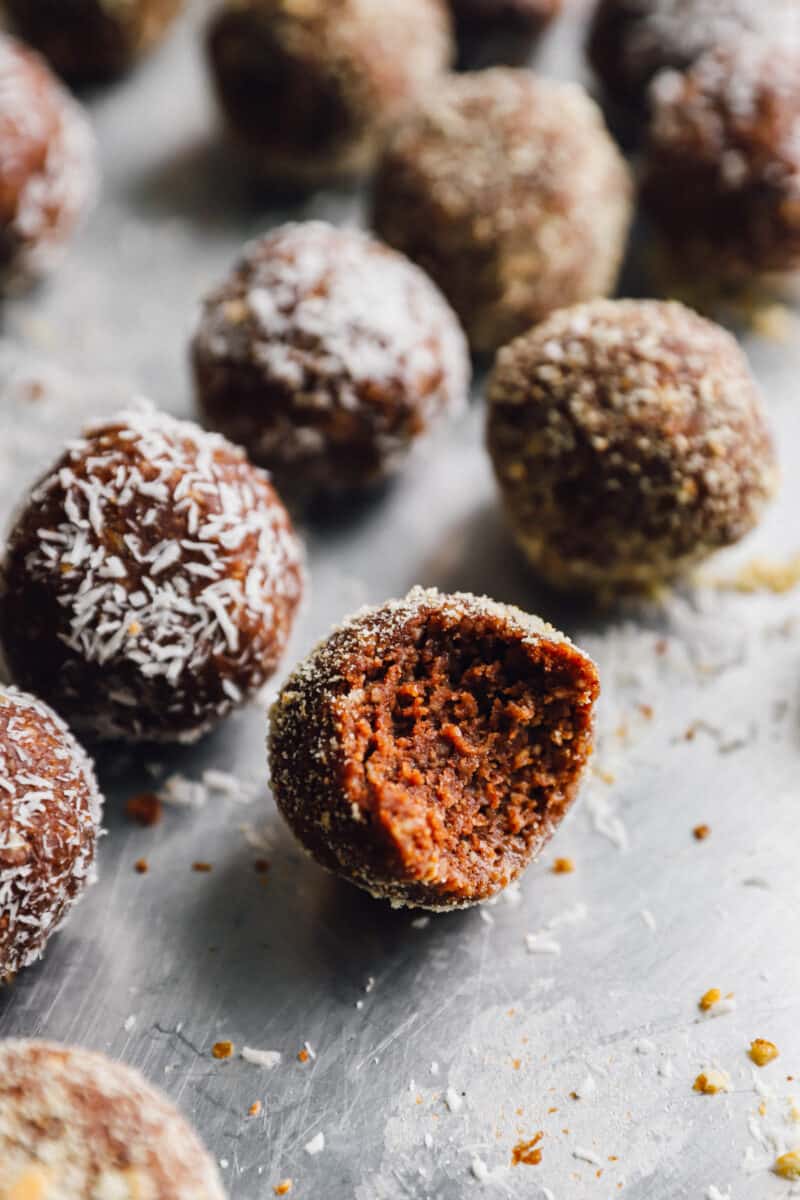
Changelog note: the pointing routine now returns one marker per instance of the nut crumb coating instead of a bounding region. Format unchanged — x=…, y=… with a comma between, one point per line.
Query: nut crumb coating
x=508, y=190
x=629, y=441
x=310, y=88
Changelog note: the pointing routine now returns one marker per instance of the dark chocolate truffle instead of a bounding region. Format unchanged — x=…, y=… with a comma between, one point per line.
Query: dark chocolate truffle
x=74, y=1124
x=629, y=441
x=500, y=31
x=721, y=173
x=310, y=87
x=632, y=40
x=326, y=355
x=150, y=582
x=92, y=40
x=47, y=165
x=50, y=810
x=509, y=192
x=428, y=749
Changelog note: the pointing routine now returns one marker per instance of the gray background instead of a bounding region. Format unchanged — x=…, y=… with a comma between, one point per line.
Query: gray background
x=154, y=969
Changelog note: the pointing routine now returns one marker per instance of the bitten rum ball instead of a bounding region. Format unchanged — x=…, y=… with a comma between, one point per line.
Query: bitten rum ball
x=50, y=811
x=632, y=40
x=311, y=87
x=630, y=441
x=327, y=355
x=429, y=748
x=47, y=165
x=74, y=1125
x=721, y=164
x=509, y=192
x=500, y=31
x=151, y=581
x=92, y=40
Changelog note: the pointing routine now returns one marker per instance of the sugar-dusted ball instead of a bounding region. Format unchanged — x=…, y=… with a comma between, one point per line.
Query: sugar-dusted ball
x=50, y=811
x=151, y=581
x=428, y=749
x=75, y=1124
x=509, y=192
x=47, y=165
x=500, y=30
x=632, y=40
x=721, y=162
x=92, y=40
x=630, y=441
x=311, y=87
x=327, y=355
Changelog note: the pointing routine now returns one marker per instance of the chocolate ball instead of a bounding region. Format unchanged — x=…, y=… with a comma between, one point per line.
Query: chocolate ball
x=721, y=170
x=509, y=192
x=150, y=581
x=630, y=41
x=75, y=1124
x=630, y=441
x=92, y=40
x=47, y=165
x=428, y=749
x=327, y=355
x=500, y=31
x=310, y=88
x=50, y=811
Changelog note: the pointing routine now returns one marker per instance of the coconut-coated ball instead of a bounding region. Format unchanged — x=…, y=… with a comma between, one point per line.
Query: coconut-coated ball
x=721, y=162
x=327, y=355
x=630, y=41
x=92, y=40
x=47, y=165
x=311, y=87
x=429, y=748
x=630, y=441
x=50, y=812
x=150, y=582
x=74, y=1125
x=509, y=192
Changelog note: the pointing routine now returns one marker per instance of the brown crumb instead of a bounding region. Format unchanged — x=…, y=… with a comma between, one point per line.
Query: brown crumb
x=574, y=1096
x=303, y=1056
x=222, y=1049
x=647, y=711
x=709, y=1083
x=788, y=1165
x=516, y=1063
x=529, y=1152
x=261, y=866
x=762, y=1052
x=283, y=1188
x=145, y=809
x=774, y=321
x=254, y=1109
x=551, y=1110
x=711, y=997
x=202, y=867
x=701, y=832
x=760, y=575
x=140, y=866
x=563, y=866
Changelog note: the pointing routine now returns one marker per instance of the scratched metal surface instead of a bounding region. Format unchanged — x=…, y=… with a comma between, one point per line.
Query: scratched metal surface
x=154, y=969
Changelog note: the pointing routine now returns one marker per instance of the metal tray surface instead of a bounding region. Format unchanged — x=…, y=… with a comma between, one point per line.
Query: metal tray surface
x=438, y=1043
